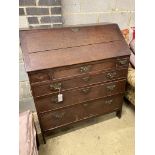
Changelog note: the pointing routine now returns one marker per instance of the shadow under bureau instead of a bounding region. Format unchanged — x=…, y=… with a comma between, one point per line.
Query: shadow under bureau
x=75, y=73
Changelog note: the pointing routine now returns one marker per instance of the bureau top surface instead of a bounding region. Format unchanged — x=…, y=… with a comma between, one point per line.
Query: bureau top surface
x=50, y=48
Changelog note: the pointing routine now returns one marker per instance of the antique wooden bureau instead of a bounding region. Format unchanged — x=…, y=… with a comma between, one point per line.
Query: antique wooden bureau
x=75, y=73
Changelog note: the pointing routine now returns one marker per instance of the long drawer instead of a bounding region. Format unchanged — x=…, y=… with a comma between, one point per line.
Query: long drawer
x=79, y=95
x=78, y=112
x=75, y=70
x=88, y=79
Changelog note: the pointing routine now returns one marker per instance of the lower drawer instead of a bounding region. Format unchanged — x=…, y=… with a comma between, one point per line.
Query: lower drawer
x=63, y=117
x=76, y=96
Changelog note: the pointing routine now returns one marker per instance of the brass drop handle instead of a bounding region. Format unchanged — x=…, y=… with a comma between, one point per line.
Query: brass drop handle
x=86, y=79
x=59, y=116
x=123, y=62
x=55, y=86
x=84, y=69
x=85, y=104
x=111, y=87
x=86, y=90
x=111, y=75
x=109, y=101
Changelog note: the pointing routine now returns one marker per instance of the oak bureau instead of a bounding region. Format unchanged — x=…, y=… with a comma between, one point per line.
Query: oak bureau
x=75, y=73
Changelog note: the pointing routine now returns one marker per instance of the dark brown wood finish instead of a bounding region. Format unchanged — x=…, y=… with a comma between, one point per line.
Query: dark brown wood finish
x=61, y=47
x=89, y=109
x=69, y=37
x=45, y=88
x=75, y=70
x=85, y=94
x=87, y=65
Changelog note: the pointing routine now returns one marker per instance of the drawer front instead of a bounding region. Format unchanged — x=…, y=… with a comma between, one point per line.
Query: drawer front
x=82, y=69
x=65, y=72
x=62, y=117
x=102, y=106
x=76, y=96
x=79, y=112
x=88, y=79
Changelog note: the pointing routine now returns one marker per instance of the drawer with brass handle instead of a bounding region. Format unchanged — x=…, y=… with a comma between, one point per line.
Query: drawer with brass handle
x=80, y=81
x=47, y=75
x=62, y=117
x=76, y=96
x=104, y=105
x=82, y=69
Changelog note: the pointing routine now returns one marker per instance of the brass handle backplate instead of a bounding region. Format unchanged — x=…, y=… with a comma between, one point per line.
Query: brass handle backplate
x=109, y=101
x=86, y=90
x=58, y=116
x=85, y=104
x=111, y=75
x=55, y=86
x=85, y=69
x=111, y=87
x=123, y=62
x=86, y=79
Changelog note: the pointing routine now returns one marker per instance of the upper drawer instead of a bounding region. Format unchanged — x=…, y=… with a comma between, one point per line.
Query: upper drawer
x=84, y=68
x=80, y=81
x=76, y=96
x=76, y=70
